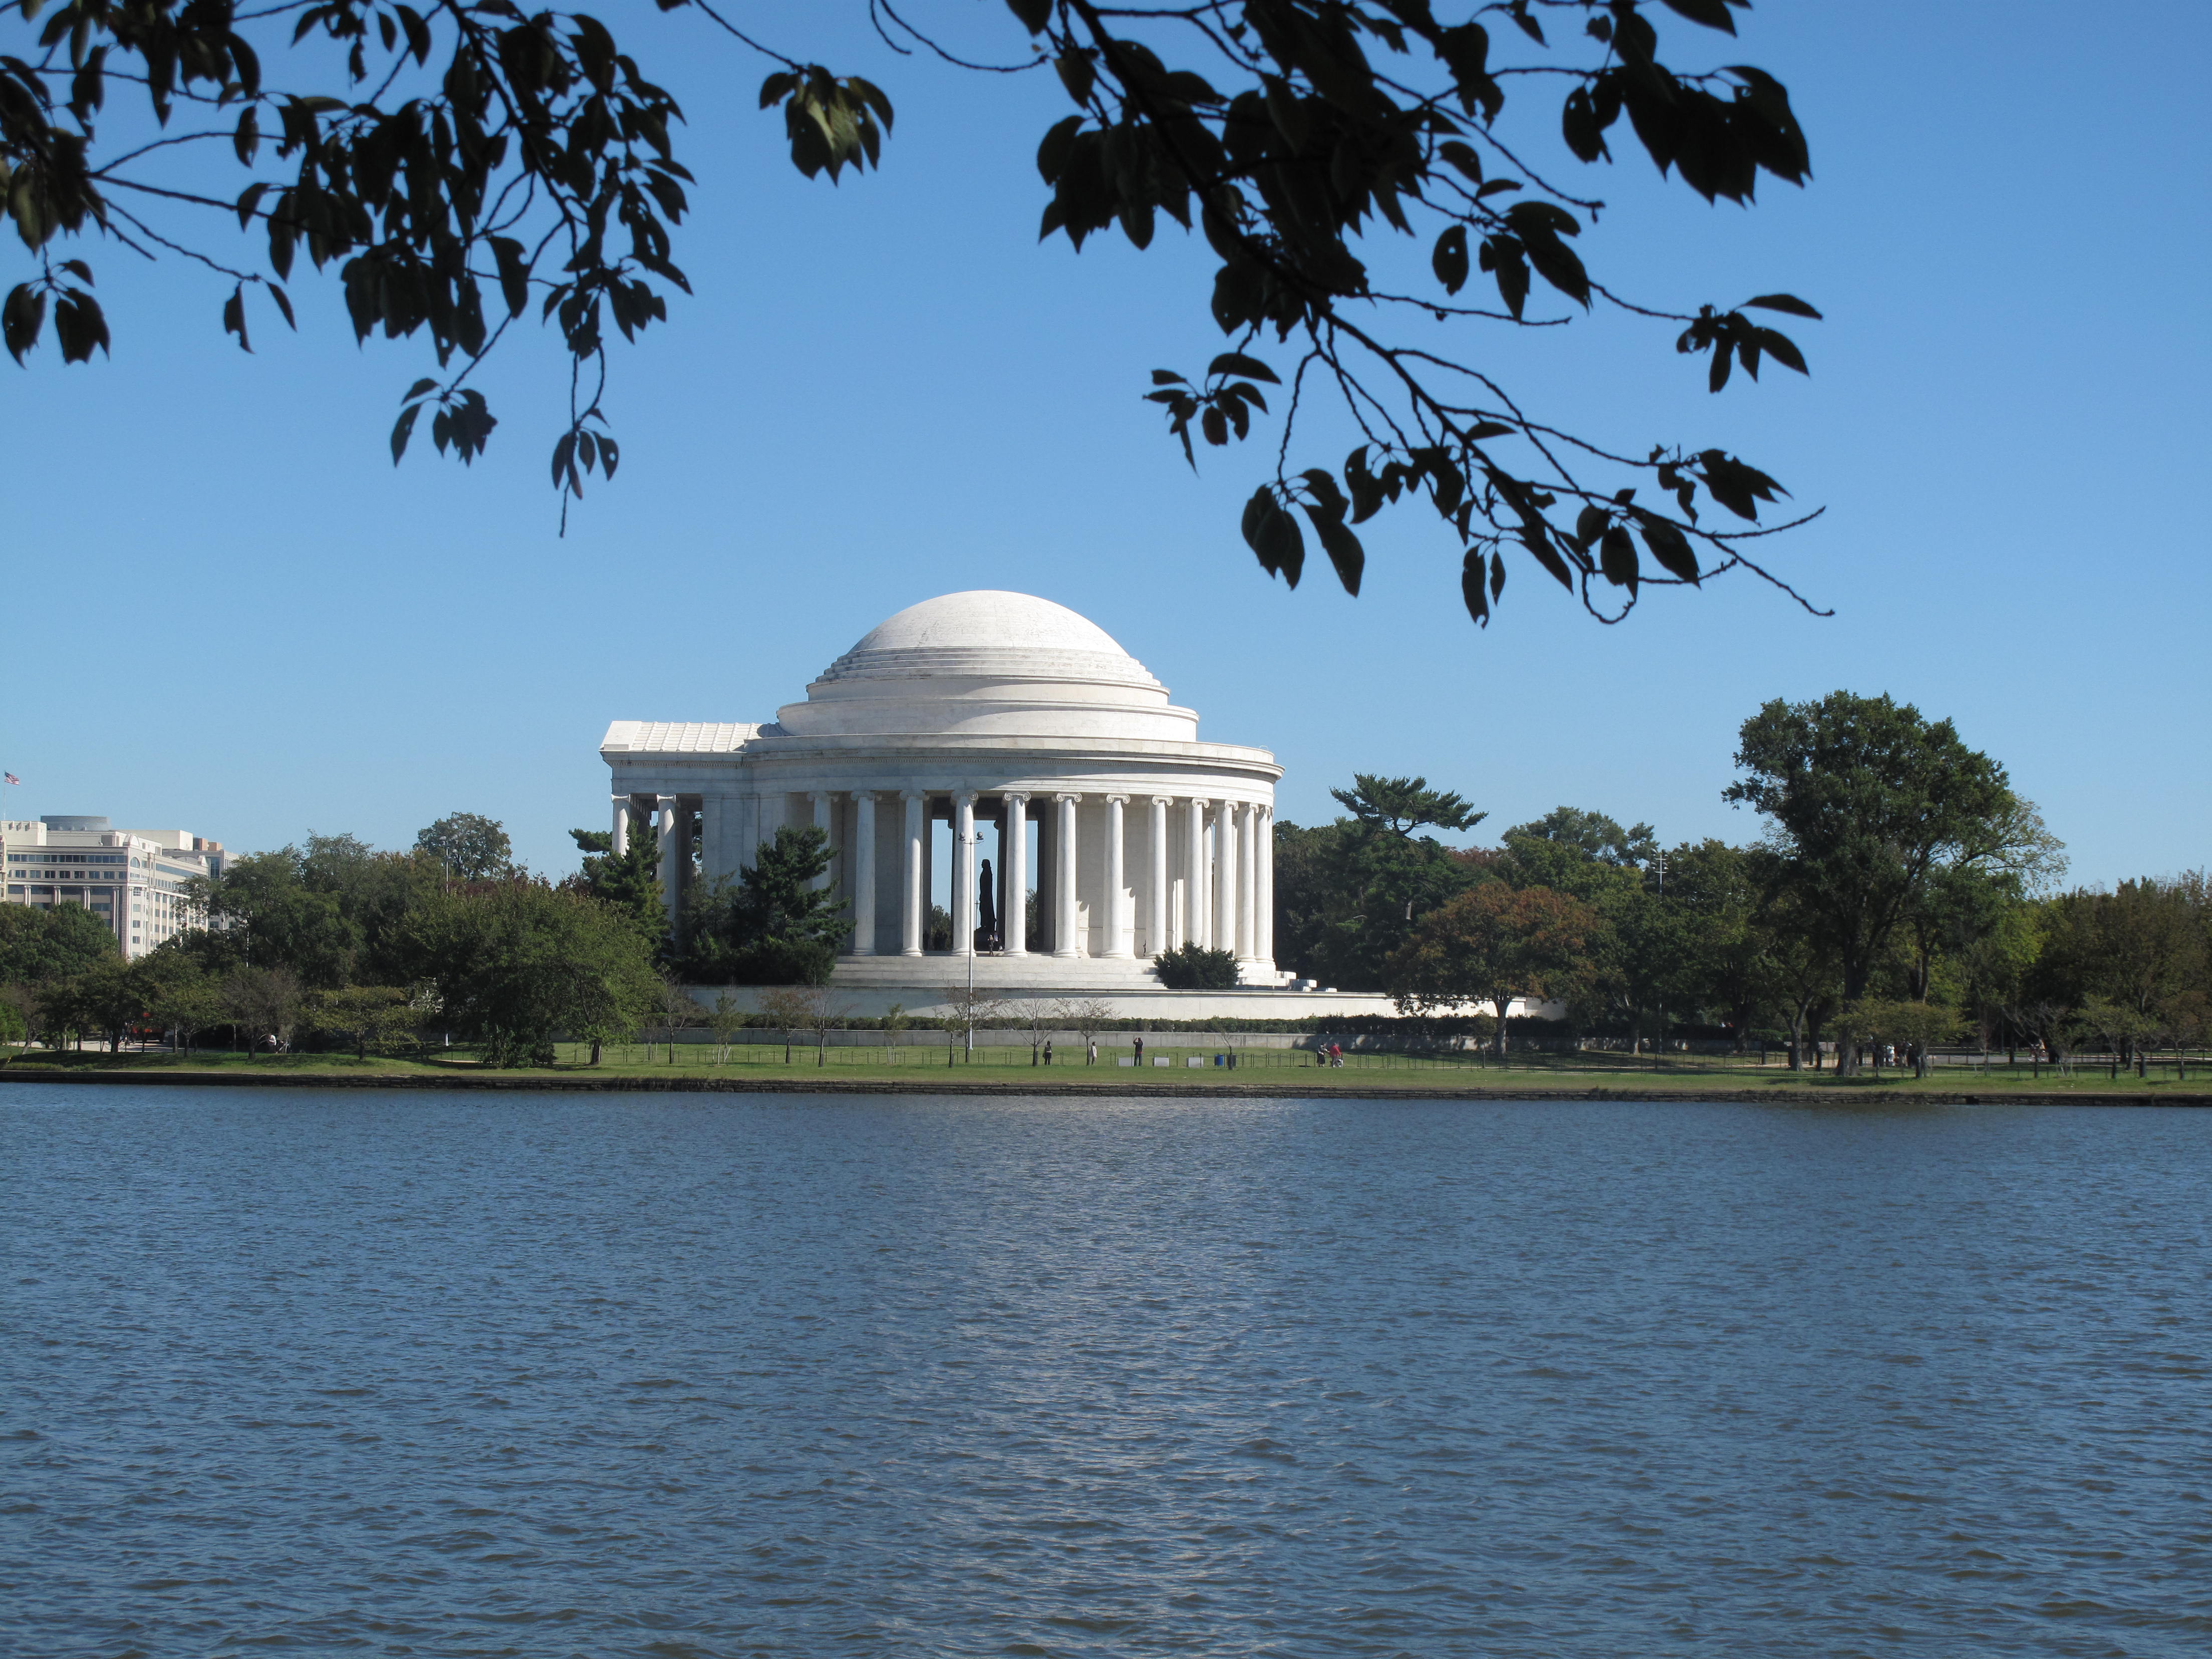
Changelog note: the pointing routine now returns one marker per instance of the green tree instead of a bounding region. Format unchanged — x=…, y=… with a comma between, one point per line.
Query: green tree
x=366, y=1016
x=1713, y=889
x=471, y=845
x=1566, y=831
x=2144, y=949
x=1348, y=894
x=111, y=1000
x=1398, y=806
x=26, y=1014
x=264, y=1004
x=726, y=1017
x=1872, y=803
x=629, y=884
x=1492, y=943
x=472, y=163
x=1802, y=970
x=263, y=913
x=787, y=1008
x=178, y=995
x=39, y=946
x=778, y=924
x=1638, y=959
x=519, y=963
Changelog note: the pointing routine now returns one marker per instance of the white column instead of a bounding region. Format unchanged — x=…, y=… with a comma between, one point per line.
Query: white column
x=911, y=876
x=1066, y=942
x=864, y=873
x=670, y=845
x=825, y=820
x=1225, y=877
x=1194, y=876
x=622, y=809
x=744, y=833
x=963, y=875
x=1014, y=925
x=1265, y=906
x=1248, y=882
x=1155, y=919
x=714, y=829
x=1117, y=898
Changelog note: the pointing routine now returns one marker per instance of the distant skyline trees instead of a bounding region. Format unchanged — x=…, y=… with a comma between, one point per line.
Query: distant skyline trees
x=1903, y=894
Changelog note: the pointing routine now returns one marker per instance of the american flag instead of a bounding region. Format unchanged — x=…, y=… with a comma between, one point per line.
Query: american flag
x=11, y=777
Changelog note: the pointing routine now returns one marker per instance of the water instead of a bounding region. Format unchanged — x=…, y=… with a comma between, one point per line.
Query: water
x=443, y=1375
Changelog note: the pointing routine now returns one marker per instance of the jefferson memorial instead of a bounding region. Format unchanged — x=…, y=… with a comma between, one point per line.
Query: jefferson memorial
x=971, y=718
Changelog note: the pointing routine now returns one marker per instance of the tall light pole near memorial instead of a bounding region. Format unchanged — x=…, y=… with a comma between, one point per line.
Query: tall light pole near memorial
x=969, y=843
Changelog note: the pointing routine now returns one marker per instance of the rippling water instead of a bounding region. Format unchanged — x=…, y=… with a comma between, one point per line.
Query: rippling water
x=642, y=1376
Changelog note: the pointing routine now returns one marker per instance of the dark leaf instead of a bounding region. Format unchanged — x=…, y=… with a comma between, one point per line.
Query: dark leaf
x=1617, y=556
x=1342, y=547
x=1713, y=14
x=1450, y=259
x=1471, y=571
x=1327, y=498
x=513, y=273
x=402, y=429
x=1275, y=538
x=1783, y=349
x=1669, y=546
x=1502, y=255
x=1788, y=302
x=1034, y=13
x=1236, y=363
x=1488, y=430
x=1462, y=157
x=234, y=317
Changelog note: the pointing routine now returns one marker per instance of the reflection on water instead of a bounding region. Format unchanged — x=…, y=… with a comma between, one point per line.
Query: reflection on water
x=697, y=1376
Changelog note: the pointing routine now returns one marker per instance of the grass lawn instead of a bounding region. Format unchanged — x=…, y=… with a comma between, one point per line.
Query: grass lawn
x=1291, y=1071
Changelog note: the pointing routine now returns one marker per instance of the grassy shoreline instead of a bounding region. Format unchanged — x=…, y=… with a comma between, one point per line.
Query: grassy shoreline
x=1009, y=1070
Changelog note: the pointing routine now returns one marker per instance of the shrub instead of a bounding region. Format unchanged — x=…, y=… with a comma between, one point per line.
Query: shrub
x=1194, y=968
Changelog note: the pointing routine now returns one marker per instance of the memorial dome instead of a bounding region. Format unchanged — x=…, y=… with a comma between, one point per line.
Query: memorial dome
x=989, y=663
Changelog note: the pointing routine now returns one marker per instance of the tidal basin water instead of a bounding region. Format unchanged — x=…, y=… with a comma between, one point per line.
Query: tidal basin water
x=556, y=1375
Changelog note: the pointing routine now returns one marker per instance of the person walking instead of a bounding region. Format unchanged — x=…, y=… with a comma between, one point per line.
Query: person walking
x=1140, y=1051
x=1091, y=1057
x=1047, y=1051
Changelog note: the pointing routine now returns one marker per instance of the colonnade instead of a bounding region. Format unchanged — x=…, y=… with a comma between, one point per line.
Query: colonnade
x=1203, y=871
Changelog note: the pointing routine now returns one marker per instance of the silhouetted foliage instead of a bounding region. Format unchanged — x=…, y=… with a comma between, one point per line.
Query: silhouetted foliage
x=475, y=165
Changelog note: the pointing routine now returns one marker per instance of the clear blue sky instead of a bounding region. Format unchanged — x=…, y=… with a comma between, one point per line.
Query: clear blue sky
x=233, y=614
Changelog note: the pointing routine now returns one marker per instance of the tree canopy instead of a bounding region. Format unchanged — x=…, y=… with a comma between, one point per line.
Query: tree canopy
x=1373, y=178
x=1873, y=803
x=471, y=845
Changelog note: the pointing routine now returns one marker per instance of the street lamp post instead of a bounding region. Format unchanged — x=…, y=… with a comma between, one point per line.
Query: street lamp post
x=969, y=841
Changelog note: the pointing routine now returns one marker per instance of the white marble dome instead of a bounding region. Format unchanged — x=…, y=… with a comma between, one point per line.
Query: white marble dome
x=989, y=663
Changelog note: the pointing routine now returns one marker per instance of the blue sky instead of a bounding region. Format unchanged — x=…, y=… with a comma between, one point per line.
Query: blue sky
x=231, y=614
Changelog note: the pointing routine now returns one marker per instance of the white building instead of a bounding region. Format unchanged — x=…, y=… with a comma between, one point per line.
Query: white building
x=131, y=879
x=1027, y=737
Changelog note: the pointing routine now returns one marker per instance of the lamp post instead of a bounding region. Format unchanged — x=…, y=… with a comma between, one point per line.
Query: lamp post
x=969, y=841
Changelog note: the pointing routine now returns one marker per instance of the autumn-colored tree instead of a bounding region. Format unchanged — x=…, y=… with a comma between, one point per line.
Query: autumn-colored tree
x=1492, y=943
